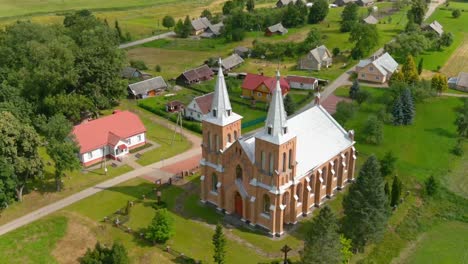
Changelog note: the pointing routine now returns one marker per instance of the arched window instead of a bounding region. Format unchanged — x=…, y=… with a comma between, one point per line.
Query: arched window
x=229, y=138
x=299, y=192
x=286, y=198
x=266, y=204
x=214, y=182
x=284, y=162
x=290, y=158
x=235, y=134
x=324, y=175
x=217, y=142
x=272, y=164
x=238, y=172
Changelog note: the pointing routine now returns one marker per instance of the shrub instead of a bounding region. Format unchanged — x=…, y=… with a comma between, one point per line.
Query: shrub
x=138, y=64
x=431, y=185
x=458, y=149
x=157, y=68
x=456, y=13
x=362, y=96
x=160, y=229
x=336, y=51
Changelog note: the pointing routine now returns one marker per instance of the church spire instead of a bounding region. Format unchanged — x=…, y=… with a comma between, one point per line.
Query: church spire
x=275, y=124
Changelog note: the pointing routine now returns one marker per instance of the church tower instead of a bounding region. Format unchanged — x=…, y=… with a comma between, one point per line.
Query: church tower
x=275, y=156
x=221, y=127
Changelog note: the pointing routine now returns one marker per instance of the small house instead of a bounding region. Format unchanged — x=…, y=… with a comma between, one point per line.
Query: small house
x=131, y=73
x=174, y=107
x=243, y=52
x=316, y=59
x=371, y=20
x=110, y=136
x=260, y=87
x=459, y=83
x=302, y=82
x=377, y=70
x=435, y=27
x=231, y=62
x=365, y=2
x=202, y=27
x=199, y=107
x=196, y=75
x=147, y=88
x=343, y=2
x=277, y=29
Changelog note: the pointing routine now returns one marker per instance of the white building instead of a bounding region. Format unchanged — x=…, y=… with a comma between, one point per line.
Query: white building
x=199, y=107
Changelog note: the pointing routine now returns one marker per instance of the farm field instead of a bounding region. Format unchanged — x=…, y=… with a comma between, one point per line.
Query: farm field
x=458, y=61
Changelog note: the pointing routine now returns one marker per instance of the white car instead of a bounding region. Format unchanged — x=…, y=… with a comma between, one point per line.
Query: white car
x=332, y=6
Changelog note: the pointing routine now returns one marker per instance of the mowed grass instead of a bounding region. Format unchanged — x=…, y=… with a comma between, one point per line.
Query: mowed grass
x=444, y=244
x=458, y=62
x=34, y=242
x=433, y=60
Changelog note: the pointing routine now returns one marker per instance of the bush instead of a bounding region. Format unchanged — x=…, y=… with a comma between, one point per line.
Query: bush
x=344, y=111
x=157, y=68
x=431, y=185
x=458, y=149
x=138, y=64
x=456, y=13
x=362, y=96
x=336, y=51
x=160, y=229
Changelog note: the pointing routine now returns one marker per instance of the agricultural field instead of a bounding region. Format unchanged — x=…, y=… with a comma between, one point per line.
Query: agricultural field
x=452, y=59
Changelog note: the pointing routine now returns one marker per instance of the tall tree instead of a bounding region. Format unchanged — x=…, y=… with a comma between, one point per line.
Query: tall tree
x=168, y=21
x=397, y=111
x=228, y=7
x=318, y=11
x=250, y=5
x=420, y=65
x=354, y=89
x=397, y=77
x=160, y=229
x=293, y=16
x=119, y=31
x=219, y=243
x=365, y=37
x=373, y=130
x=179, y=29
x=439, y=83
x=409, y=70
x=349, y=17
x=407, y=102
x=19, y=145
x=289, y=105
x=322, y=240
x=417, y=11
x=366, y=206
x=396, y=191
x=7, y=183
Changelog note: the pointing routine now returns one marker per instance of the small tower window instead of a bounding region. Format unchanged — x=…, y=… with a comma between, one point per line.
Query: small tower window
x=214, y=112
x=235, y=135
x=285, y=130
x=229, y=112
x=229, y=138
x=269, y=130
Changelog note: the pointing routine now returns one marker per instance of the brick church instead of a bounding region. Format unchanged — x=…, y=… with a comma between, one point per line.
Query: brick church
x=278, y=174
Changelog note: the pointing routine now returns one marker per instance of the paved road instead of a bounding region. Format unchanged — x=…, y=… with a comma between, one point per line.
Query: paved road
x=150, y=169
x=145, y=40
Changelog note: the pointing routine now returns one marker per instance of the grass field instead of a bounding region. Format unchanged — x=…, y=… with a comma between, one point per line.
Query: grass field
x=458, y=61
x=433, y=60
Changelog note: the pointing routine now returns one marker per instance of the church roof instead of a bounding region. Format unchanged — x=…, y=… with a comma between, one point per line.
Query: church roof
x=221, y=110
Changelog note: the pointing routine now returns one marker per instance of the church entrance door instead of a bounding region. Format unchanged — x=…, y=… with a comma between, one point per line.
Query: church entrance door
x=238, y=204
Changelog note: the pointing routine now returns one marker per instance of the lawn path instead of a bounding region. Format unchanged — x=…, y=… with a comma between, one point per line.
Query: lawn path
x=146, y=40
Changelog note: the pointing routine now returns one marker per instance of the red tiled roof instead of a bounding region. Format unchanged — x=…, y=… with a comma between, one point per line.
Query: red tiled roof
x=107, y=130
x=301, y=79
x=253, y=81
x=204, y=102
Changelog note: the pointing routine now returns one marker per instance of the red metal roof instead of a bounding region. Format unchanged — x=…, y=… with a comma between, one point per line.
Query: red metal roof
x=122, y=147
x=253, y=81
x=301, y=79
x=204, y=102
x=107, y=130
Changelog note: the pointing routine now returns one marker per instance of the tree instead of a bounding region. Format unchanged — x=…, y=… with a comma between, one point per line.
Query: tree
x=349, y=17
x=362, y=96
x=387, y=163
x=373, y=130
x=344, y=111
x=457, y=150
x=187, y=26
x=409, y=70
x=60, y=147
x=387, y=192
x=179, y=29
x=336, y=51
x=219, y=243
x=228, y=7
x=354, y=89
x=396, y=191
x=417, y=11
x=397, y=111
x=397, y=77
x=119, y=31
x=312, y=40
x=289, y=105
x=365, y=206
x=160, y=229
x=365, y=37
x=318, y=11
x=19, y=145
x=439, y=83
x=346, y=246
x=293, y=16
x=412, y=43
x=420, y=66
x=445, y=40
x=250, y=5
x=117, y=254
x=462, y=120
x=168, y=21
x=407, y=102
x=322, y=241
x=206, y=13
x=7, y=183
x=431, y=185
x=72, y=106
x=456, y=13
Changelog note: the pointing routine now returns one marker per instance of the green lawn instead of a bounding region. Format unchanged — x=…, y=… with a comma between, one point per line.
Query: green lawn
x=444, y=244
x=33, y=243
x=433, y=60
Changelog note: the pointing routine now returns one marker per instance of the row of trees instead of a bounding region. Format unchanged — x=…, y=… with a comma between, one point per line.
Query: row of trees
x=52, y=76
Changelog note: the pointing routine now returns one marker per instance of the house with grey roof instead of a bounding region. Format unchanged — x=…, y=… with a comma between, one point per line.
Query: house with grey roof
x=316, y=59
x=202, y=27
x=276, y=29
x=371, y=20
x=242, y=51
x=460, y=82
x=147, y=88
x=131, y=73
x=196, y=75
x=232, y=62
x=378, y=70
x=436, y=27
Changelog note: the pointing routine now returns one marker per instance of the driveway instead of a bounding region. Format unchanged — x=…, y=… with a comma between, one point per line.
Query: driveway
x=146, y=40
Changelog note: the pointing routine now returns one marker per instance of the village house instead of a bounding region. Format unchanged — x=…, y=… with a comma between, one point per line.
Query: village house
x=199, y=107
x=343, y=2
x=199, y=74
x=131, y=73
x=147, y=88
x=283, y=3
x=371, y=20
x=202, y=27
x=316, y=59
x=459, y=83
x=302, y=82
x=276, y=29
x=377, y=70
x=243, y=52
x=365, y=2
x=260, y=87
x=232, y=62
x=279, y=174
x=110, y=136
x=434, y=27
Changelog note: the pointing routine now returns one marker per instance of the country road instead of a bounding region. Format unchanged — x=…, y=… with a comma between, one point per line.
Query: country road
x=146, y=40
